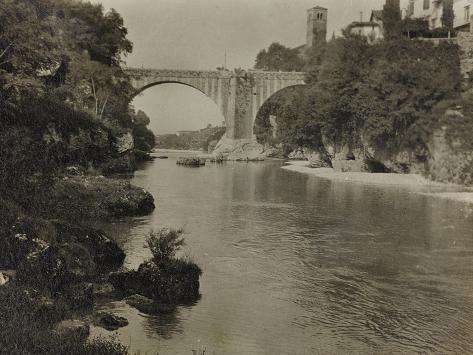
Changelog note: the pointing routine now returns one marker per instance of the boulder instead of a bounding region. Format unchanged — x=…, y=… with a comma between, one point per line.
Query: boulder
x=57, y=266
x=95, y=197
x=4, y=279
x=176, y=281
x=73, y=328
x=136, y=202
x=124, y=143
x=148, y=306
x=105, y=252
x=318, y=159
x=109, y=321
x=297, y=154
x=191, y=161
x=240, y=149
x=347, y=159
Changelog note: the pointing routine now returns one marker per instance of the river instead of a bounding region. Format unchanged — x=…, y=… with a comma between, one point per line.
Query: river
x=295, y=264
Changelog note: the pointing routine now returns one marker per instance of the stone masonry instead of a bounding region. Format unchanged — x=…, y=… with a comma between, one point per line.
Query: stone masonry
x=238, y=94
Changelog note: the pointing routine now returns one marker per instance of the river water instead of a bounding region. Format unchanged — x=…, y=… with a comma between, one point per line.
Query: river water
x=294, y=264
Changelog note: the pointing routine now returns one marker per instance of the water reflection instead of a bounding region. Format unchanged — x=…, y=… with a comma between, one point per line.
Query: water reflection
x=298, y=265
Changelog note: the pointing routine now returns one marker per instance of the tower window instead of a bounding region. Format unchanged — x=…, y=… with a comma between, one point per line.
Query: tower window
x=426, y=4
x=467, y=13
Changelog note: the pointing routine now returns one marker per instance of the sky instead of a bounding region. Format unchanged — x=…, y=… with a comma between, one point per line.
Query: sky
x=194, y=34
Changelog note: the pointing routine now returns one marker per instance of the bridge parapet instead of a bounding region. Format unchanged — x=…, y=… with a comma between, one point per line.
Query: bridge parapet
x=140, y=73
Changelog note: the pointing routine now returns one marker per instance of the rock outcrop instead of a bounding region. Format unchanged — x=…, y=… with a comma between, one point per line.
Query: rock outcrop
x=109, y=321
x=174, y=282
x=239, y=149
x=99, y=197
x=148, y=306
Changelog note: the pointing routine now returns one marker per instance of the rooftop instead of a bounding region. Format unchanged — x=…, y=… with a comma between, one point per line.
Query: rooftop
x=376, y=15
x=364, y=23
x=318, y=8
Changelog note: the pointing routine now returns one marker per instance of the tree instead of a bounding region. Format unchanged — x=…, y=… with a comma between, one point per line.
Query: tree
x=141, y=119
x=24, y=56
x=391, y=19
x=102, y=35
x=279, y=58
x=448, y=15
x=164, y=244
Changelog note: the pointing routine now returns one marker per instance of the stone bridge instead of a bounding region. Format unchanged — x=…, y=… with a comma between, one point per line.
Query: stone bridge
x=238, y=94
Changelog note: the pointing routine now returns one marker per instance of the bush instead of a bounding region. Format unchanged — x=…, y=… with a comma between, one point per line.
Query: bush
x=164, y=244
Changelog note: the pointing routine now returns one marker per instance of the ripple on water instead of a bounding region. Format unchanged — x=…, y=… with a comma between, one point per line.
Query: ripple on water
x=299, y=265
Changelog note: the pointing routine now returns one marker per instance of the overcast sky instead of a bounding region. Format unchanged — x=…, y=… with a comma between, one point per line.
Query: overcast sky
x=194, y=34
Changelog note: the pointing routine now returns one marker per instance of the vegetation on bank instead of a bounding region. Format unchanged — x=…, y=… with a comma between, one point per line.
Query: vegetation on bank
x=205, y=139
x=371, y=101
x=164, y=281
x=65, y=118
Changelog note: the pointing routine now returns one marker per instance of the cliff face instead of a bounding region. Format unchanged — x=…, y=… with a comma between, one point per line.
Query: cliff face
x=451, y=154
x=447, y=156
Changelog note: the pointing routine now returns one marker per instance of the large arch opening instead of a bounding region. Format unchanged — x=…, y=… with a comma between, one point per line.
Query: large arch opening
x=270, y=122
x=181, y=116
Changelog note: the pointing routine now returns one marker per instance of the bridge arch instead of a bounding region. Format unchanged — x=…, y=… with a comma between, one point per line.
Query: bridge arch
x=265, y=108
x=238, y=95
x=213, y=84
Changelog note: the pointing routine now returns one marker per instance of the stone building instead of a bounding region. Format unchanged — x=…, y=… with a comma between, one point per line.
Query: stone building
x=316, y=26
x=370, y=29
x=431, y=11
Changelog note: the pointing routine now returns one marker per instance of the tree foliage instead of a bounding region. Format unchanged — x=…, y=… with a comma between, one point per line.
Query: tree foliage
x=164, y=244
x=144, y=138
x=60, y=69
x=391, y=19
x=448, y=16
x=382, y=94
x=279, y=58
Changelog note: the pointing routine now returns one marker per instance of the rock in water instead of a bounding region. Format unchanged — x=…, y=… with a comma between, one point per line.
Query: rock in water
x=110, y=321
x=239, y=149
x=148, y=306
x=193, y=161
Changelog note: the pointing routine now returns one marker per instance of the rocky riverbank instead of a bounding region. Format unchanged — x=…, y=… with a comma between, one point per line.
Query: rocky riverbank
x=53, y=264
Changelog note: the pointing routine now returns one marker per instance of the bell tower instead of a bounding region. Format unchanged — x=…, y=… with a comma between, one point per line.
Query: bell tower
x=316, y=26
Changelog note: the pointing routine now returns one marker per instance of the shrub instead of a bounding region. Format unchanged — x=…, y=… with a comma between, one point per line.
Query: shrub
x=164, y=244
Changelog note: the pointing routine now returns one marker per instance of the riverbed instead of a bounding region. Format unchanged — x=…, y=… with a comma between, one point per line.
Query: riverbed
x=298, y=264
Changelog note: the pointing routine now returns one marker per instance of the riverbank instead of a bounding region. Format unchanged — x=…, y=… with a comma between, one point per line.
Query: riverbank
x=53, y=262
x=413, y=181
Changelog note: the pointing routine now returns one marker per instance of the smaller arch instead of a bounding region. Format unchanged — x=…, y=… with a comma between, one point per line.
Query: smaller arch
x=275, y=94
x=265, y=106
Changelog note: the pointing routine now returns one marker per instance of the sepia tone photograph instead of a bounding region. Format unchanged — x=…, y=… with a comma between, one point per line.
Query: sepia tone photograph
x=236, y=177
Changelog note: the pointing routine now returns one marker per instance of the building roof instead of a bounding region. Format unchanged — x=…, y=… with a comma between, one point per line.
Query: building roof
x=376, y=15
x=318, y=8
x=363, y=24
